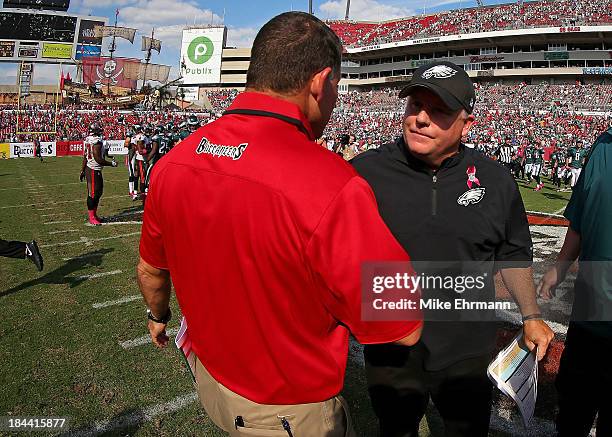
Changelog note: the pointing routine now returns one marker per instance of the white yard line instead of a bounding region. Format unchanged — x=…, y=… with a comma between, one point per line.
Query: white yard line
x=42, y=187
x=64, y=231
x=110, y=303
x=145, y=339
x=133, y=222
x=139, y=416
x=560, y=210
x=58, y=203
x=551, y=214
x=58, y=222
x=54, y=214
x=89, y=241
x=100, y=275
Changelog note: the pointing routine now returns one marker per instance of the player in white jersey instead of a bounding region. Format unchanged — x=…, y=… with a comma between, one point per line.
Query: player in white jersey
x=91, y=170
x=142, y=144
x=129, y=162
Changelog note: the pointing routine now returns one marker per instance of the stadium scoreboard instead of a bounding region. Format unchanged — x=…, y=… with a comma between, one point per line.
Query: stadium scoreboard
x=49, y=5
x=46, y=36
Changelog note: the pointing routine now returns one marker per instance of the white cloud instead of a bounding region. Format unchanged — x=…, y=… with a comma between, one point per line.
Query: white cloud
x=44, y=74
x=364, y=10
x=241, y=36
x=8, y=74
x=168, y=18
x=150, y=13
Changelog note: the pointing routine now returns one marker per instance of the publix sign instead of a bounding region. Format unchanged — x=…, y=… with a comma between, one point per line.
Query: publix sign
x=201, y=52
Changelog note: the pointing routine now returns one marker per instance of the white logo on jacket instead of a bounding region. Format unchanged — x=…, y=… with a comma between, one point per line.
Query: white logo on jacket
x=472, y=196
x=220, y=150
x=439, y=72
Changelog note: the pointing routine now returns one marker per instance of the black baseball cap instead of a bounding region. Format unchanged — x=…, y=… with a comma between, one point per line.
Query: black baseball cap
x=448, y=81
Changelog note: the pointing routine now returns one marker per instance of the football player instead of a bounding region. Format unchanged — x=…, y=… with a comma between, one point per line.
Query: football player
x=91, y=170
x=130, y=157
x=528, y=161
x=536, y=168
x=143, y=144
x=575, y=160
x=154, y=153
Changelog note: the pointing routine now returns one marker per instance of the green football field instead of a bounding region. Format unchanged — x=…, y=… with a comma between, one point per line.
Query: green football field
x=73, y=339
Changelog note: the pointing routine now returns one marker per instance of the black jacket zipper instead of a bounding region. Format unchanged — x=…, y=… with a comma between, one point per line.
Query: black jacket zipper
x=434, y=194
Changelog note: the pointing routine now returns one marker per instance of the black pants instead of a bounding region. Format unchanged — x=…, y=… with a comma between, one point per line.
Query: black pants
x=140, y=172
x=400, y=389
x=12, y=249
x=95, y=187
x=584, y=382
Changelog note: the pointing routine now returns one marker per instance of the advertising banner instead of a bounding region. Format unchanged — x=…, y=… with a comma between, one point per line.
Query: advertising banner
x=87, y=51
x=201, y=52
x=69, y=148
x=556, y=56
x=28, y=50
x=104, y=71
x=5, y=151
x=87, y=34
x=22, y=150
x=48, y=148
x=7, y=49
x=115, y=147
x=56, y=51
x=602, y=71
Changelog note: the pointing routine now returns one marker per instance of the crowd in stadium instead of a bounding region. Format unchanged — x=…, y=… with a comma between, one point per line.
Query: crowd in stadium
x=221, y=99
x=518, y=111
x=73, y=124
x=525, y=113
x=474, y=20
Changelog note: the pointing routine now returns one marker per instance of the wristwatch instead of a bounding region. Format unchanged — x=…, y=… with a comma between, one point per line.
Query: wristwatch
x=165, y=319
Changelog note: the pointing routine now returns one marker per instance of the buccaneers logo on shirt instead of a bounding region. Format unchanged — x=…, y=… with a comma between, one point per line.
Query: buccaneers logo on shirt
x=220, y=150
x=475, y=192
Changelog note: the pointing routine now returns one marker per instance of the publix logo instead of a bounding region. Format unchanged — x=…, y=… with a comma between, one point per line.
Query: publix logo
x=200, y=50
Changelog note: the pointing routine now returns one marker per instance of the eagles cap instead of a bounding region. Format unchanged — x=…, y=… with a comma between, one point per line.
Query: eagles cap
x=448, y=81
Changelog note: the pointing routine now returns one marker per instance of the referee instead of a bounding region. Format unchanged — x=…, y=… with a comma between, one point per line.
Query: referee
x=504, y=154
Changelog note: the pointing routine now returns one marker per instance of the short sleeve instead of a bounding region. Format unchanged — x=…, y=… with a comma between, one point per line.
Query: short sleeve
x=151, y=240
x=350, y=233
x=516, y=249
x=573, y=211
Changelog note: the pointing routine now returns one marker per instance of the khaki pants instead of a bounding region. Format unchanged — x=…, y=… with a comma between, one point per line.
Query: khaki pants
x=242, y=417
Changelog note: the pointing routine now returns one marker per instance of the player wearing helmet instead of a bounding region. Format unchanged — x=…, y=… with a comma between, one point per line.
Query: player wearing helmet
x=130, y=157
x=142, y=145
x=91, y=170
x=157, y=150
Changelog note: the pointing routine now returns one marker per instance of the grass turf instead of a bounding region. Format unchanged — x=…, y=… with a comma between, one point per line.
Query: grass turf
x=61, y=357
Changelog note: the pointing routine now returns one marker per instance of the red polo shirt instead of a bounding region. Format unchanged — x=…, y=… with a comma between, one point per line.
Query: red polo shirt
x=264, y=232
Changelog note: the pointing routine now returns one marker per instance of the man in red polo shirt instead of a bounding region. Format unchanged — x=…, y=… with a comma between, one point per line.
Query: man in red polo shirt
x=265, y=248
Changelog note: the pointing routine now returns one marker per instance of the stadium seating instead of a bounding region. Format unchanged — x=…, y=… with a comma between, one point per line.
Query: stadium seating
x=553, y=113
x=486, y=19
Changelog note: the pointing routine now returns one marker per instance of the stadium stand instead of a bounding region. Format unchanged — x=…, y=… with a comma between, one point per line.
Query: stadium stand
x=555, y=114
x=519, y=15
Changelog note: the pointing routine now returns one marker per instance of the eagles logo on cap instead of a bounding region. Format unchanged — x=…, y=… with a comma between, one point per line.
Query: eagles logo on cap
x=447, y=80
x=439, y=72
